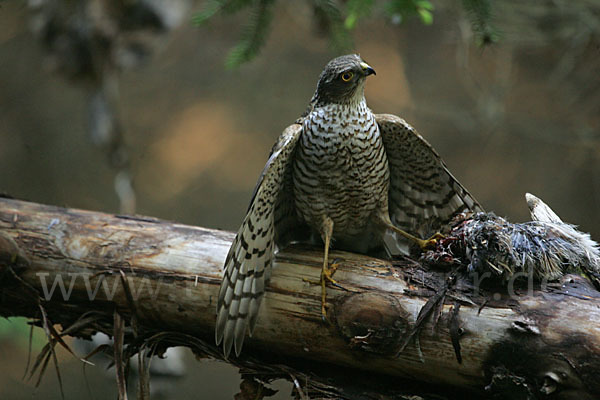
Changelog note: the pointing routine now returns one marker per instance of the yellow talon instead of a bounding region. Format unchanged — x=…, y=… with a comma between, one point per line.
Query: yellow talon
x=327, y=276
x=424, y=244
x=431, y=242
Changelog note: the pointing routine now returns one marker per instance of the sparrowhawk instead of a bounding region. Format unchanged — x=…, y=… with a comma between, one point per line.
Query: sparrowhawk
x=340, y=175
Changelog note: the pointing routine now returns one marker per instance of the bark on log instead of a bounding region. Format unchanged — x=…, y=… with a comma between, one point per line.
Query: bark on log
x=533, y=342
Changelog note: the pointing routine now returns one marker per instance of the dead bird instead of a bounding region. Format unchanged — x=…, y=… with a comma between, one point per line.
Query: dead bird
x=545, y=248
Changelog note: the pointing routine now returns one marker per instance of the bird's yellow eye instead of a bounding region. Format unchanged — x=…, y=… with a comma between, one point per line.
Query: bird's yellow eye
x=346, y=76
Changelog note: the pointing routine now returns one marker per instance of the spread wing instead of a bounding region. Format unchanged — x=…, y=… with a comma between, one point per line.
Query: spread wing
x=423, y=194
x=249, y=259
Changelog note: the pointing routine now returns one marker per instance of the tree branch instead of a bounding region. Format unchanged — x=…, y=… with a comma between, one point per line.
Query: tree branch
x=399, y=322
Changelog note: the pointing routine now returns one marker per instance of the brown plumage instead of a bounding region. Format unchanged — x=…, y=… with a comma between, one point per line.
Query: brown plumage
x=340, y=175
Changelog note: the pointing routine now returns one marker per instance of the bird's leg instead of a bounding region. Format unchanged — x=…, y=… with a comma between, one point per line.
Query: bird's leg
x=330, y=271
x=327, y=270
x=326, y=273
x=424, y=244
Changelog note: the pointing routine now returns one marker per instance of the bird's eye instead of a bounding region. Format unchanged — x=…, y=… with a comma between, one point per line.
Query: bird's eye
x=346, y=76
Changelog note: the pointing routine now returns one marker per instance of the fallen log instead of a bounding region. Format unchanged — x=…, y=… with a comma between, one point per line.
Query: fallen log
x=397, y=322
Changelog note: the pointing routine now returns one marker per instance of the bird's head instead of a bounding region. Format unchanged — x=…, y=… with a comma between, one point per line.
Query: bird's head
x=343, y=80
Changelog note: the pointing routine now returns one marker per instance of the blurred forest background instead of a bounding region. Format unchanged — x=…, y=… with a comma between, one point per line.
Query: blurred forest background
x=518, y=115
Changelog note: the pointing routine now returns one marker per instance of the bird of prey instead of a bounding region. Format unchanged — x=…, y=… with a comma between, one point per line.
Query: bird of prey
x=341, y=176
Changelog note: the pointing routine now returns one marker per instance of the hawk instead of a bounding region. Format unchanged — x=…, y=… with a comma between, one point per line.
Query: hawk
x=340, y=175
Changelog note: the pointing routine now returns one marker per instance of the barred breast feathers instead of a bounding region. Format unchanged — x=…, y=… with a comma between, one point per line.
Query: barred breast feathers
x=340, y=170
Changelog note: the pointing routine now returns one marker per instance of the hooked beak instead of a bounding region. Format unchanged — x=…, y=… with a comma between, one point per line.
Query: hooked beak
x=367, y=70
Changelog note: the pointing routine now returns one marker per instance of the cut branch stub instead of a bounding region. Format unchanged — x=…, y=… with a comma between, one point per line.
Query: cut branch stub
x=372, y=322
